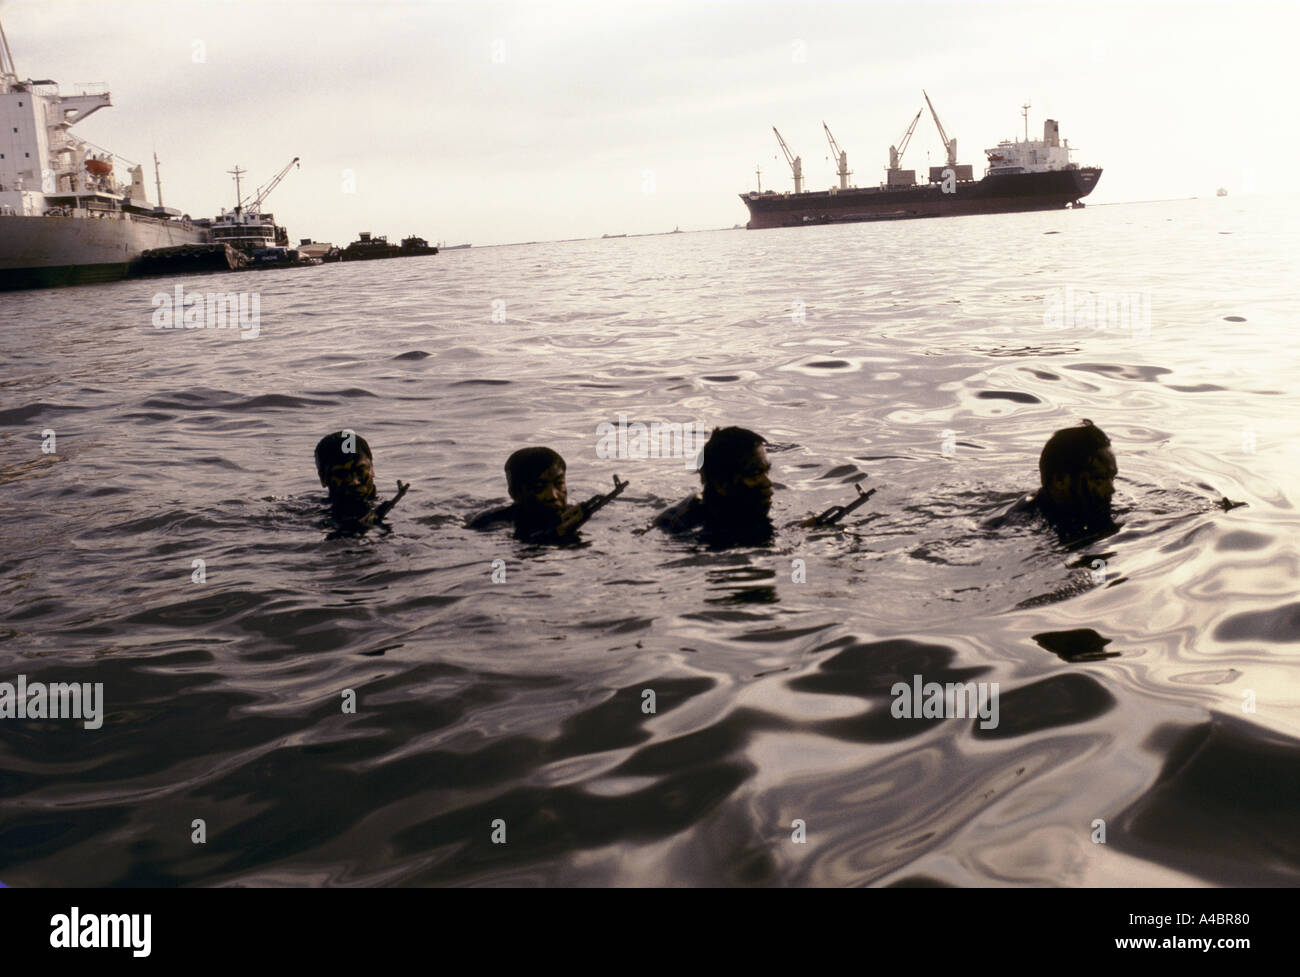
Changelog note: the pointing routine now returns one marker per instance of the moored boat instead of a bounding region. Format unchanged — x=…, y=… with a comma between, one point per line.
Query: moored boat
x=368, y=247
x=416, y=245
x=64, y=217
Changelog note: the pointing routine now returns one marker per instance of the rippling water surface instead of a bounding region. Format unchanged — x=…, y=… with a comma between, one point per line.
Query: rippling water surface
x=912, y=357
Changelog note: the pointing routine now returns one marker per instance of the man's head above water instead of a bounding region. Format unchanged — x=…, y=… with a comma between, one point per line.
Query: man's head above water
x=345, y=467
x=1077, y=471
x=535, y=478
x=735, y=472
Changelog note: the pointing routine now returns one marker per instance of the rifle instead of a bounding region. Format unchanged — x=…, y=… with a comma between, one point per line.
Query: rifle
x=589, y=508
x=837, y=512
x=384, y=508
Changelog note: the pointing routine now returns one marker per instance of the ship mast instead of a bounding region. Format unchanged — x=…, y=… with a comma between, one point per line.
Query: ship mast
x=1024, y=110
x=239, y=199
x=157, y=178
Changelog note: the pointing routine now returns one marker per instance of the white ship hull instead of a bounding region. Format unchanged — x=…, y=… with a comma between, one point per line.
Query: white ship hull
x=42, y=252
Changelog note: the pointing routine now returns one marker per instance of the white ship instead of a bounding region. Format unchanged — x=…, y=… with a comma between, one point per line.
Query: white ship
x=246, y=228
x=64, y=219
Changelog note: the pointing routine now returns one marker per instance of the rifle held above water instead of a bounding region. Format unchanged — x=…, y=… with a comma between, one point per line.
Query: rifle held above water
x=589, y=508
x=837, y=512
x=386, y=507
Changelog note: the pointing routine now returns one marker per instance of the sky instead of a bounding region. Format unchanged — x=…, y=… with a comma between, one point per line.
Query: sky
x=491, y=123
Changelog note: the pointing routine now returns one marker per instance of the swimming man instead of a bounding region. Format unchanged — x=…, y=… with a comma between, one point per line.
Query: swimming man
x=540, y=510
x=346, y=468
x=1076, y=473
x=737, y=493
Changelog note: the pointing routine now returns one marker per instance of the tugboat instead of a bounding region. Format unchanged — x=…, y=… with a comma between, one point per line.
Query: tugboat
x=1021, y=176
x=416, y=245
x=368, y=247
x=246, y=228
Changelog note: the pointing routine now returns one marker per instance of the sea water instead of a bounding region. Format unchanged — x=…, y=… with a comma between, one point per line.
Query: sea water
x=432, y=705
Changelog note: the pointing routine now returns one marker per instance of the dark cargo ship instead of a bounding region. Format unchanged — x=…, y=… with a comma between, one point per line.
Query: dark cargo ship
x=1021, y=176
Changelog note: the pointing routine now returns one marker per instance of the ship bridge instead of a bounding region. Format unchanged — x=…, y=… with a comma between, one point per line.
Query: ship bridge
x=1037, y=156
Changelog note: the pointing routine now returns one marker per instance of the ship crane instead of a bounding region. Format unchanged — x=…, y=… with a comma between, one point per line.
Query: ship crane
x=948, y=144
x=8, y=73
x=896, y=155
x=841, y=158
x=796, y=163
x=255, y=207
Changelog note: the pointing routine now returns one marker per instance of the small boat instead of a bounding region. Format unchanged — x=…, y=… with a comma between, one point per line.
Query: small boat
x=416, y=245
x=368, y=247
x=280, y=257
x=1221, y=192
x=318, y=249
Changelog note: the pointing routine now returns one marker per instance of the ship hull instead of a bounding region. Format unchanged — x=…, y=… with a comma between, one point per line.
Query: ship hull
x=46, y=252
x=1003, y=194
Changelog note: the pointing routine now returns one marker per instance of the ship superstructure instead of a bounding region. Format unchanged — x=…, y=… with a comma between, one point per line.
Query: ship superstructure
x=1039, y=156
x=64, y=218
x=1020, y=176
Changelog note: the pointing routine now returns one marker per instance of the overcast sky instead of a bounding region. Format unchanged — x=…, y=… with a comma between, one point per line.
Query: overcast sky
x=495, y=122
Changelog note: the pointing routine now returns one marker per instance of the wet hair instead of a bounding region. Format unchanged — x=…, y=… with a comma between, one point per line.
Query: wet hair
x=1069, y=451
x=727, y=450
x=329, y=451
x=527, y=464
